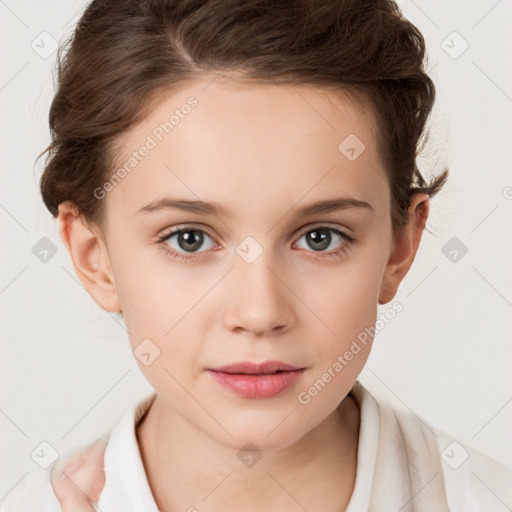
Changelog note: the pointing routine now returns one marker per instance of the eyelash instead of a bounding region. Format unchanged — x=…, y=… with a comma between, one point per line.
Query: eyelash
x=349, y=240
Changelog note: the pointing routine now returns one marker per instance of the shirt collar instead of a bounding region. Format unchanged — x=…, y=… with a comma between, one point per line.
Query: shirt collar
x=368, y=441
x=126, y=485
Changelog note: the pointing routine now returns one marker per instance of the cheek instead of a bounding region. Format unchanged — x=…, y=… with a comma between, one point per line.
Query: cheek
x=351, y=319
x=346, y=301
x=160, y=303
x=347, y=306
x=348, y=310
x=160, y=329
x=146, y=296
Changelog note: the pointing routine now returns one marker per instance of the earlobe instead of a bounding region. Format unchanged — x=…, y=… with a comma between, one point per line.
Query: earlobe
x=89, y=256
x=405, y=248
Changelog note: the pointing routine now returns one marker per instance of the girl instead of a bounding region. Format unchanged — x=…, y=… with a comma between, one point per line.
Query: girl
x=239, y=180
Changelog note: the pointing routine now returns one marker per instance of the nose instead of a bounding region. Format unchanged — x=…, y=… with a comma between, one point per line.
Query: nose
x=259, y=298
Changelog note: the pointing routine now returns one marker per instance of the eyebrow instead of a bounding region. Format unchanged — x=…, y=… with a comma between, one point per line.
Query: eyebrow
x=204, y=208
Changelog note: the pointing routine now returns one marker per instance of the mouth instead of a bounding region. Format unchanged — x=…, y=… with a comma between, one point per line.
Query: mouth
x=257, y=380
x=253, y=368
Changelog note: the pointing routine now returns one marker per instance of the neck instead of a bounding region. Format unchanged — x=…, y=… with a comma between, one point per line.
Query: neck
x=186, y=468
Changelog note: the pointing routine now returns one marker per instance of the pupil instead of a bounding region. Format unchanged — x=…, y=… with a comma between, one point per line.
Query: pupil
x=321, y=237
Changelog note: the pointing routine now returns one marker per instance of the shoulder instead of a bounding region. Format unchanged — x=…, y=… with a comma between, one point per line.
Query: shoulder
x=472, y=481
x=70, y=482
x=41, y=490
x=33, y=492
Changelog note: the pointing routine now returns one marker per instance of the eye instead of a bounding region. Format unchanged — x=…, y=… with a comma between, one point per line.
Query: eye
x=184, y=242
x=325, y=239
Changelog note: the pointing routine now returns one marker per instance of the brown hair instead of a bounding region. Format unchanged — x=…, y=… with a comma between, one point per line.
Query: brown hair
x=124, y=54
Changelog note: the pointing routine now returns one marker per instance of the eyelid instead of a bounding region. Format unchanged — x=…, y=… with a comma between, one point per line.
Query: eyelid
x=345, y=231
x=166, y=233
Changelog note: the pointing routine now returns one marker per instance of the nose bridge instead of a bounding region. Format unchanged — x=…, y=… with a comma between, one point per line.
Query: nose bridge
x=256, y=266
x=260, y=301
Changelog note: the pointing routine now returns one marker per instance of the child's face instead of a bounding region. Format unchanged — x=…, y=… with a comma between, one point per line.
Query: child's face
x=254, y=288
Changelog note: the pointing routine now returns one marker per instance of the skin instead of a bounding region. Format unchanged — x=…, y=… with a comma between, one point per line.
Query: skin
x=78, y=478
x=262, y=151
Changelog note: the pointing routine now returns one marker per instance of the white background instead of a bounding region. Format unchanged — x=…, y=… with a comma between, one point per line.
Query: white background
x=67, y=372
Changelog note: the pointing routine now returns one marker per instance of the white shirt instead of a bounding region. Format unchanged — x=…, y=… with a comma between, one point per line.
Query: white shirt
x=403, y=465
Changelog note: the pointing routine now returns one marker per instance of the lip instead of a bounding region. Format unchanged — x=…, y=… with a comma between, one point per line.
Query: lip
x=252, y=368
x=257, y=380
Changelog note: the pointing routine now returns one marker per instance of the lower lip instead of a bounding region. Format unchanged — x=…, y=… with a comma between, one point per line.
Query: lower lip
x=257, y=386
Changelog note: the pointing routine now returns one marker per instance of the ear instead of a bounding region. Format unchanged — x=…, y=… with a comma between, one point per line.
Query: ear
x=89, y=255
x=405, y=246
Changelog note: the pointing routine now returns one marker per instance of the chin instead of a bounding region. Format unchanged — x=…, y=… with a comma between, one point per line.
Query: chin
x=267, y=432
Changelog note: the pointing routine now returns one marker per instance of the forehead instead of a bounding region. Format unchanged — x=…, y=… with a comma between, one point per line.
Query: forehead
x=251, y=146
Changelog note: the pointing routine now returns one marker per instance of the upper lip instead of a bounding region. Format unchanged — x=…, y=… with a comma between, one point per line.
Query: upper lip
x=250, y=367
